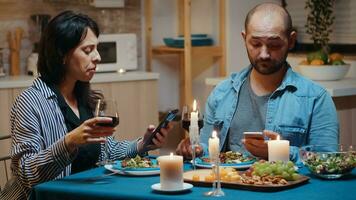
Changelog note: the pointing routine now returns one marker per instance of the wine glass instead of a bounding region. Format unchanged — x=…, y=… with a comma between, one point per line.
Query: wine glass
x=186, y=118
x=107, y=108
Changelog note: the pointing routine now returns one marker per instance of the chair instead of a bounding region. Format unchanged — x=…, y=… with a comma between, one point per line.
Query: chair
x=4, y=159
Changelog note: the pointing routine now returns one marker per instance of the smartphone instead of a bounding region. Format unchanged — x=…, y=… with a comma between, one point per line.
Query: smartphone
x=163, y=124
x=254, y=135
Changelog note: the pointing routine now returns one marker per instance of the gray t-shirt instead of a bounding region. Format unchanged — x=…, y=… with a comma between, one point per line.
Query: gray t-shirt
x=250, y=115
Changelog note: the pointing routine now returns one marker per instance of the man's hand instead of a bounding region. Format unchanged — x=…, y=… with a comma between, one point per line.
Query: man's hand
x=258, y=147
x=89, y=132
x=185, y=149
x=157, y=142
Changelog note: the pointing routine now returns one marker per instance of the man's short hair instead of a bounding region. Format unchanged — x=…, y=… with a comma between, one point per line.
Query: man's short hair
x=272, y=7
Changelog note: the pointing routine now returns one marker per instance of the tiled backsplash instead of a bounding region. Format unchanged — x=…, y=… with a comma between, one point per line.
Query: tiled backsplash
x=16, y=13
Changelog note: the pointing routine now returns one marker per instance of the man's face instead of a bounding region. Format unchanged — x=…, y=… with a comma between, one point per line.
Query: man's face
x=267, y=43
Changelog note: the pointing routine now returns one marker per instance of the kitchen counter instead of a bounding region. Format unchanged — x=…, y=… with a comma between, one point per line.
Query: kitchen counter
x=136, y=94
x=340, y=88
x=26, y=81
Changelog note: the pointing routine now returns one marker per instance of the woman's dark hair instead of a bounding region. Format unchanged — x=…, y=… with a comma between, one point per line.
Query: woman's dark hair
x=62, y=34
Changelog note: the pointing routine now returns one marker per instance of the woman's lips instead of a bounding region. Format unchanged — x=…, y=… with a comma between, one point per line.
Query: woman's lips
x=92, y=69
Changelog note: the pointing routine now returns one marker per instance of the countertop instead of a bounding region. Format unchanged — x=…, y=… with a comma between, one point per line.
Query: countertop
x=340, y=88
x=26, y=81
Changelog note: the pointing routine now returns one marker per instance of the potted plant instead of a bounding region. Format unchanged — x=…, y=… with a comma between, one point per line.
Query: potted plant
x=319, y=25
x=319, y=22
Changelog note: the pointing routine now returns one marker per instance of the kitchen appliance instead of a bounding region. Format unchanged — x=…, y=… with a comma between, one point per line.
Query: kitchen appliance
x=118, y=52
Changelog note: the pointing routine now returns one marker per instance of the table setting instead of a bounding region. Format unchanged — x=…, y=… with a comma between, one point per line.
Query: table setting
x=116, y=186
x=226, y=175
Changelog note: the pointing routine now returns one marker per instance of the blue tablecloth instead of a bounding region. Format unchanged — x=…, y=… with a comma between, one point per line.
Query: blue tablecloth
x=83, y=186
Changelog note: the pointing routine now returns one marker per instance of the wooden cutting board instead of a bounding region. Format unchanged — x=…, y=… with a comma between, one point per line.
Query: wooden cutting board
x=188, y=177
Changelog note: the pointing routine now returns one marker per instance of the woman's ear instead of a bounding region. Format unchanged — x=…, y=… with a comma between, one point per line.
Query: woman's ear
x=65, y=60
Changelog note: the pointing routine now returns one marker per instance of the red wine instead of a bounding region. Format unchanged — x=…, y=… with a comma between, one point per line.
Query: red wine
x=186, y=124
x=115, y=122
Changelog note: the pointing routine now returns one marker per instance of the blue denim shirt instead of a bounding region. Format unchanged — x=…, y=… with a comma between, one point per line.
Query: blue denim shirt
x=299, y=109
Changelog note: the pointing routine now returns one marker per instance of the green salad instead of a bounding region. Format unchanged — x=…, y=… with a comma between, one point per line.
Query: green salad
x=330, y=163
x=138, y=162
x=230, y=157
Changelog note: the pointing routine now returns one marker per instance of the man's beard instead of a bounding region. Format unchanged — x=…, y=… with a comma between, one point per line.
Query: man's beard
x=267, y=67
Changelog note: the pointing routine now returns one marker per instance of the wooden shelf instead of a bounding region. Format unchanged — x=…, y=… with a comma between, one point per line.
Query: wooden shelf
x=187, y=54
x=215, y=51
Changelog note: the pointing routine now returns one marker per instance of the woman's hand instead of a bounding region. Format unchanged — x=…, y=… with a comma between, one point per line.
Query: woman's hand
x=157, y=142
x=258, y=147
x=89, y=132
x=185, y=149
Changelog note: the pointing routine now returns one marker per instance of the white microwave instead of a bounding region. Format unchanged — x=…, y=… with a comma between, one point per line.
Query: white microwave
x=117, y=51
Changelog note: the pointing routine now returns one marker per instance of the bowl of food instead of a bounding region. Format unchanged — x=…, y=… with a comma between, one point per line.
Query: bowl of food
x=324, y=72
x=329, y=161
x=322, y=67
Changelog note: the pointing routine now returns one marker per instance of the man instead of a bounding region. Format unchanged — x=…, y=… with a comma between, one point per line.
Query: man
x=268, y=95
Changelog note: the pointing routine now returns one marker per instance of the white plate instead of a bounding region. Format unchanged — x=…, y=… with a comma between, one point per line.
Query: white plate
x=157, y=187
x=132, y=173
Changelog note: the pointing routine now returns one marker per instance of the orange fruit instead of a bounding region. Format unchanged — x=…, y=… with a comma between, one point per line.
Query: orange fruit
x=335, y=56
x=304, y=62
x=317, y=62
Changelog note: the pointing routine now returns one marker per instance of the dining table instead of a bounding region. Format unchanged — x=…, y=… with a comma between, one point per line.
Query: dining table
x=99, y=183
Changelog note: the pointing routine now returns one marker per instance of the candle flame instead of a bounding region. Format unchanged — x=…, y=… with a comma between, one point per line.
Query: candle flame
x=171, y=154
x=194, y=105
x=214, y=134
x=277, y=137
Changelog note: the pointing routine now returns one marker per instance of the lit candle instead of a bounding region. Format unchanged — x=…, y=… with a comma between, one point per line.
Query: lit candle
x=171, y=172
x=214, y=149
x=194, y=128
x=278, y=150
x=194, y=115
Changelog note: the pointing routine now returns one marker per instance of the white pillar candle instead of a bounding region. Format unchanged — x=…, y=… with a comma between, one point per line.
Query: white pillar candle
x=194, y=115
x=194, y=128
x=171, y=172
x=278, y=150
x=214, y=149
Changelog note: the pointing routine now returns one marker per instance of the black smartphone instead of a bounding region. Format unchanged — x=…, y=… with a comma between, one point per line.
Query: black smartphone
x=163, y=124
x=254, y=135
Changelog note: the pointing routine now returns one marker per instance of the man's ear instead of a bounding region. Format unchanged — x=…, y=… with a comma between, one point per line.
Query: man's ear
x=292, y=39
x=243, y=34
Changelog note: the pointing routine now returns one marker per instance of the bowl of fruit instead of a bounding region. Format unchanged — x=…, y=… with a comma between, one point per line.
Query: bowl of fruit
x=329, y=161
x=320, y=66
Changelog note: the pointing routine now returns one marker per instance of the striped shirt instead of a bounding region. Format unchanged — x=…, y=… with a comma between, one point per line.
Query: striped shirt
x=38, y=149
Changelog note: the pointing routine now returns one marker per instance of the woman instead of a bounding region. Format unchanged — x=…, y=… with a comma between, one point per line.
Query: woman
x=54, y=133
